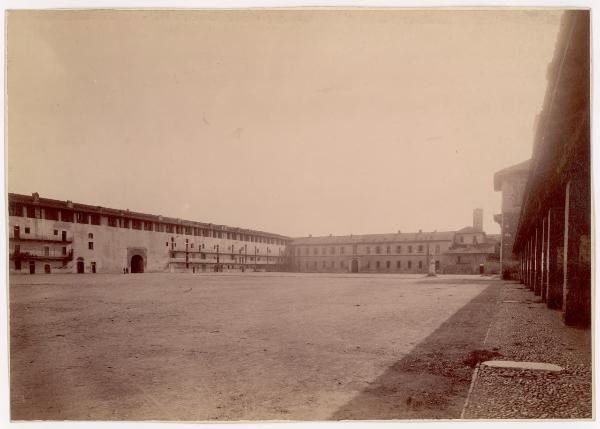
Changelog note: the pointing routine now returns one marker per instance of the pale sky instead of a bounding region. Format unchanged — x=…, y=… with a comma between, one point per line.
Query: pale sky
x=292, y=122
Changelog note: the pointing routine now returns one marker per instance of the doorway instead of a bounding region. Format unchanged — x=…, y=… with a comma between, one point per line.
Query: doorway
x=354, y=266
x=47, y=269
x=137, y=264
x=80, y=267
x=31, y=267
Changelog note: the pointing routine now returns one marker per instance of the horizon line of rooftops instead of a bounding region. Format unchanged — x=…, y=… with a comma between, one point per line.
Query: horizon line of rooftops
x=67, y=211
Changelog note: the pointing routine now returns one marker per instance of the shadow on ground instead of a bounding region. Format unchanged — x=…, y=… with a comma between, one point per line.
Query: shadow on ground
x=432, y=381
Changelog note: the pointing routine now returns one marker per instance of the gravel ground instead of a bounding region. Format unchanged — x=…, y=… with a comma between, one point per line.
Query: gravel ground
x=244, y=347
x=526, y=330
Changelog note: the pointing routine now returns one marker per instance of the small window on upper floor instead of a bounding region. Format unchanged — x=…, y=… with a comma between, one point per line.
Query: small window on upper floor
x=420, y=248
x=90, y=235
x=27, y=230
x=56, y=232
x=91, y=245
x=398, y=249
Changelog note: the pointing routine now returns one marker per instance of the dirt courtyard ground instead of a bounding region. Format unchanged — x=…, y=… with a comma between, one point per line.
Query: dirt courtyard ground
x=252, y=346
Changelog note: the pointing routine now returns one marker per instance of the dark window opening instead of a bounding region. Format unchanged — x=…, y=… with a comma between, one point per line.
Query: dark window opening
x=91, y=245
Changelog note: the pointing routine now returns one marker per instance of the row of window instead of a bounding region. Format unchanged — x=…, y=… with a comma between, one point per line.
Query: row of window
x=377, y=249
x=35, y=212
x=378, y=264
x=232, y=248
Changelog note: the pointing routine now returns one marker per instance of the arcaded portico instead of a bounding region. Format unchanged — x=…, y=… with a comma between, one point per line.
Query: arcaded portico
x=553, y=238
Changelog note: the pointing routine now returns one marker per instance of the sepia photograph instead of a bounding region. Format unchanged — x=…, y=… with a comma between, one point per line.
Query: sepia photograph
x=299, y=214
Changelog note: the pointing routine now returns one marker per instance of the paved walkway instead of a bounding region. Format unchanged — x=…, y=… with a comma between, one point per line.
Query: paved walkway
x=524, y=329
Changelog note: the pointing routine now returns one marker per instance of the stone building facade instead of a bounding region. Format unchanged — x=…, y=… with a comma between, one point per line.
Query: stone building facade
x=53, y=236
x=452, y=252
x=370, y=253
x=553, y=239
x=510, y=182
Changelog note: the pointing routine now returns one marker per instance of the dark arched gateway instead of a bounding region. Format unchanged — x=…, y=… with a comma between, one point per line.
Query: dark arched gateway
x=137, y=264
x=354, y=266
x=80, y=266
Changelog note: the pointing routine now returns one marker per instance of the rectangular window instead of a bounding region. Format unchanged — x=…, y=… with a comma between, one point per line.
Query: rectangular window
x=64, y=250
x=332, y=250
x=378, y=250
x=420, y=248
x=377, y=264
x=420, y=264
x=388, y=250
x=323, y=264
x=341, y=250
x=398, y=264
x=56, y=232
x=27, y=230
x=387, y=264
x=91, y=245
x=368, y=250
x=409, y=249
x=398, y=249
x=409, y=265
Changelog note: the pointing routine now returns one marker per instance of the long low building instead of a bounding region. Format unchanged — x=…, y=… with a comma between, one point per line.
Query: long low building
x=465, y=251
x=54, y=236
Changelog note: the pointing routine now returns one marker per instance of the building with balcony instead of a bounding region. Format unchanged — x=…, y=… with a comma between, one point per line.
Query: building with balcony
x=54, y=236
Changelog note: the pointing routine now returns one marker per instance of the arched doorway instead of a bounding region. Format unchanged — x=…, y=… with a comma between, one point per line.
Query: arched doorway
x=47, y=269
x=354, y=266
x=137, y=264
x=80, y=266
